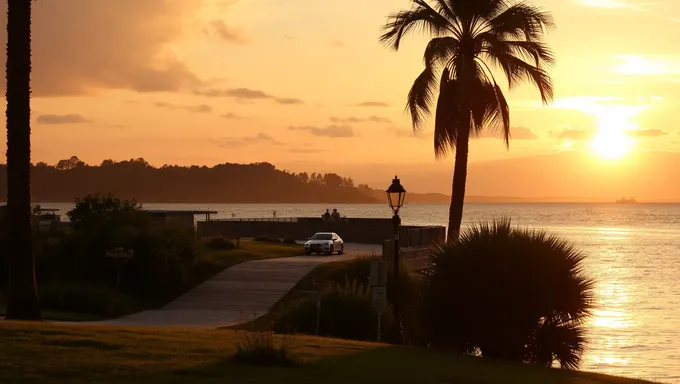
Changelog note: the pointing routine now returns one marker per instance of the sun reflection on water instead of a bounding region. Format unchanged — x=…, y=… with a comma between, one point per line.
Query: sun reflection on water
x=610, y=319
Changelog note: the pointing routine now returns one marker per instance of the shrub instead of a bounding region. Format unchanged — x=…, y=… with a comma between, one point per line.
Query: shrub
x=267, y=239
x=346, y=312
x=164, y=255
x=508, y=293
x=290, y=241
x=261, y=348
x=105, y=211
x=221, y=244
x=90, y=299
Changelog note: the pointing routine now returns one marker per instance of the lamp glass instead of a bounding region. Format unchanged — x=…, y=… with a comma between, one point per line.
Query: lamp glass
x=396, y=194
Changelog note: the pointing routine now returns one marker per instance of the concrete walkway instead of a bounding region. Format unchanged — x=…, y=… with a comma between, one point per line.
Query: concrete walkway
x=237, y=294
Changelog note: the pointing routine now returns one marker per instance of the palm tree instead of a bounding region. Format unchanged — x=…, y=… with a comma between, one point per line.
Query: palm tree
x=22, y=303
x=471, y=37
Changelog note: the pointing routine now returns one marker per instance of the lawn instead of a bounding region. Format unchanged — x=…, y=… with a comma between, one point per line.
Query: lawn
x=52, y=353
x=209, y=263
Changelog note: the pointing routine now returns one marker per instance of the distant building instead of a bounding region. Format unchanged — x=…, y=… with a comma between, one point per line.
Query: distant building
x=183, y=219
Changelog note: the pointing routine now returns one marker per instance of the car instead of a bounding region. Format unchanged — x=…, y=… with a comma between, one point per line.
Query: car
x=325, y=242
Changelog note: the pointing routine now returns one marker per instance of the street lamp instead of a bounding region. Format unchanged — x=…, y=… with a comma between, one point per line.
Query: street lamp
x=395, y=198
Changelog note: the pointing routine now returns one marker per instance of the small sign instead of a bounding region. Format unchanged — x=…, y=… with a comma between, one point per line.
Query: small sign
x=119, y=253
x=379, y=298
x=378, y=276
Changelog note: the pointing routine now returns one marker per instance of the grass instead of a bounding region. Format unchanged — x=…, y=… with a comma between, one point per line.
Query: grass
x=55, y=353
x=322, y=275
x=209, y=263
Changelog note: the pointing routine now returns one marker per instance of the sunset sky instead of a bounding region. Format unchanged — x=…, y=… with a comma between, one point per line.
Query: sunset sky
x=299, y=83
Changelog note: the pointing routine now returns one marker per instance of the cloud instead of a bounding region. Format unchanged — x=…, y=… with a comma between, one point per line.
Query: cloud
x=516, y=133
x=353, y=120
x=61, y=119
x=230, y=142
x=405, y=133
x=338, y=44
x=230, y=115
x=647, y=133
x=337, y=131
x=245, y=94
x=306, y=149
x=201, y=108
x=226, y=33
x=575, y=134
x=81, y=46
x=379, y=104
x=117, y=126
x=288, y=101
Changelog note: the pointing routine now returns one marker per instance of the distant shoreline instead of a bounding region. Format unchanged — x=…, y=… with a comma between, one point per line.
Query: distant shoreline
x=470, y=201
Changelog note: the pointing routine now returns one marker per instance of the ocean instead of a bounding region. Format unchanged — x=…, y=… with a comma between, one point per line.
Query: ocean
x=633, y=255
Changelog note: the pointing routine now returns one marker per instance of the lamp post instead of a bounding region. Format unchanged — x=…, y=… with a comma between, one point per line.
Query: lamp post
x=395, y=198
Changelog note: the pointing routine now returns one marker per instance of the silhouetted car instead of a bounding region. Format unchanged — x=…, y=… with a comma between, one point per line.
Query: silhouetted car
x=324, y=242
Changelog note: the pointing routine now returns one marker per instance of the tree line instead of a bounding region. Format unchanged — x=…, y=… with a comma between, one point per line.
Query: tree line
x=223, y=183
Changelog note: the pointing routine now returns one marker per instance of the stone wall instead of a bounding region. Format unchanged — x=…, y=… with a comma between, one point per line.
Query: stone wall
x=352, y=230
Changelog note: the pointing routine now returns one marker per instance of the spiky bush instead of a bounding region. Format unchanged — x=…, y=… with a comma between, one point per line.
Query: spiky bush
x=509, y=293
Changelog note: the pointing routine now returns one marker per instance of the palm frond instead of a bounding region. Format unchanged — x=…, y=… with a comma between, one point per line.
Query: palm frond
x=420, y=96
x=516, y=70
x=539, y=53
x=490, y=110
x=553, y=339
x=521, y=21
x=450, y=116
x=445, y=9
x=504, y=110
x=421, y=16
x=440, y=50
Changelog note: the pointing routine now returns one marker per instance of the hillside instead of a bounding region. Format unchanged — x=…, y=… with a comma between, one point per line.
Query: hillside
x=223, y=183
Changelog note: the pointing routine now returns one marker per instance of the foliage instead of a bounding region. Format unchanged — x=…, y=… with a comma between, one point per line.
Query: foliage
x=92, y=299
x=345, y=311
x=221, y=243
x=267, y=239
x=96, y=209
x=509, y=293
x=262, y=348
x=470, y=38
x=289, y=240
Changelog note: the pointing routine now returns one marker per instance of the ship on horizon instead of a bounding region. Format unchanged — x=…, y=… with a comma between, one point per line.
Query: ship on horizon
x=626, y=201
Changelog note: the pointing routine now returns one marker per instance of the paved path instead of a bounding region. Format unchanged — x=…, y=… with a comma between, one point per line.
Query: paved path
x=246, y=289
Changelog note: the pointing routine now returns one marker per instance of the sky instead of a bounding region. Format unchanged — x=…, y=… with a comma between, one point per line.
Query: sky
x=307, y=86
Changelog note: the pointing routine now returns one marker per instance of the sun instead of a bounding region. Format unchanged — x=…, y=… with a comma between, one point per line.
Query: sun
x=612, y=139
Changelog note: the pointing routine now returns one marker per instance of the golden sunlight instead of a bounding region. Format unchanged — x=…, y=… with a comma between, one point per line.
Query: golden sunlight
x=611, y=141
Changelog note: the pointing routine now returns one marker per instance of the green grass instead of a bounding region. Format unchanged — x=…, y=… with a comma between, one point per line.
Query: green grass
x=209, y=263
x=321, y=276
x=52, y=353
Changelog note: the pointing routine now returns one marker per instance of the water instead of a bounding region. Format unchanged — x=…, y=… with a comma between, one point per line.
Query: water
x=633, y=254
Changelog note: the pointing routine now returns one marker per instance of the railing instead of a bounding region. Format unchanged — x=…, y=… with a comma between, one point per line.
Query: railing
x=266, y=219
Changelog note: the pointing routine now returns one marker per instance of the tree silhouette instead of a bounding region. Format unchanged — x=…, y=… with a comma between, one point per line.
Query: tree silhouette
x=223, y=183
x=22, y=302
x=470, y=37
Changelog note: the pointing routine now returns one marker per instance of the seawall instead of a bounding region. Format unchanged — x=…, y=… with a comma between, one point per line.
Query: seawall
x=352, y=230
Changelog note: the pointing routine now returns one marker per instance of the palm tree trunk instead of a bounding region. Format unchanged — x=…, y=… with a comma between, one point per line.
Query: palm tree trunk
x=458, y=187
x=22, y=303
